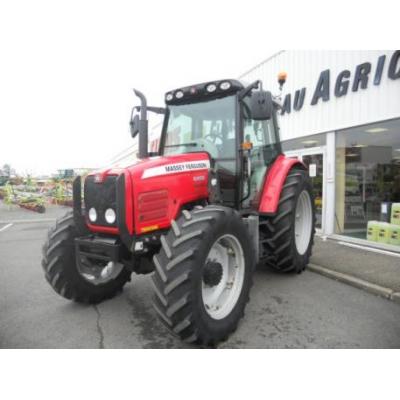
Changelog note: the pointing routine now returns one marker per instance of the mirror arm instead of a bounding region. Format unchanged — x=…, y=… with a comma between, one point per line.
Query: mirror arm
x=277, y=103
x=244, y=92
x=157, y=110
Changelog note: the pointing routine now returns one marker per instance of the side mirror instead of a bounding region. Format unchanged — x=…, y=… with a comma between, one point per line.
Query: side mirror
x=134, y=125
x=261, y=105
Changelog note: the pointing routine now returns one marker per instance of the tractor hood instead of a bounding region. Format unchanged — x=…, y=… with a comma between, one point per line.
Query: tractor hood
x=155, y=189
x=158, y=166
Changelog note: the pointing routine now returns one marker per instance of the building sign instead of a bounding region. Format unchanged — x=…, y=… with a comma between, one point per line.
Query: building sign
x=364, y=74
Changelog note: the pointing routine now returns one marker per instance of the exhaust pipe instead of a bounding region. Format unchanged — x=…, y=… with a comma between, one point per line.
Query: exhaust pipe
x=143, y=125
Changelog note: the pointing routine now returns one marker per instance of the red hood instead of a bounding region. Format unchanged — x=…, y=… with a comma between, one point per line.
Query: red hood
x=145, y=168
x=155, y=175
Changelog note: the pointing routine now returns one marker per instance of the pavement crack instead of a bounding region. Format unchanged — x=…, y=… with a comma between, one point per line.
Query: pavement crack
x=99, y=328
x=276, y=327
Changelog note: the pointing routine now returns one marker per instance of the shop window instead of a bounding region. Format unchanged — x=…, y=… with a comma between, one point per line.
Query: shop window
x=368, y=182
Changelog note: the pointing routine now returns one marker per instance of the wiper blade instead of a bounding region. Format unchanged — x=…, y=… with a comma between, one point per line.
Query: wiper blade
x=193, y=144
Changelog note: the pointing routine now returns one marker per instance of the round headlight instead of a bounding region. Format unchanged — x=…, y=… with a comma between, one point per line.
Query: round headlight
x=169, y=97
x=92, y=215
x=110, y=216
x=225, y=85
x=179, y=94
x=211, y=88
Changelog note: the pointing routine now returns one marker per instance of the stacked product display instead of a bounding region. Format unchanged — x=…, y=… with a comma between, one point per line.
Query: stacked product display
x=386, y=231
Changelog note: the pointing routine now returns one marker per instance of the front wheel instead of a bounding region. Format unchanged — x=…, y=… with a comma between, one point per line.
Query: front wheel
x=203, y=274
x=287, y=238
x=88, y=281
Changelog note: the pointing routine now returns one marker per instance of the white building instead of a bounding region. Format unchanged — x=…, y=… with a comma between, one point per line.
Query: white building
x=342, y=118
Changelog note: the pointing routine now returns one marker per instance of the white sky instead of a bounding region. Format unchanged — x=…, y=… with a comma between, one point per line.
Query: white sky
x=67, y=68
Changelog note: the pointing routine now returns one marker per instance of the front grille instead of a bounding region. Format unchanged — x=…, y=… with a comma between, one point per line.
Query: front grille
x=100, y=196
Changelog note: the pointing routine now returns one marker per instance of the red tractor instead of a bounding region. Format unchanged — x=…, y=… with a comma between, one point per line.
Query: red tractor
x=217, y=198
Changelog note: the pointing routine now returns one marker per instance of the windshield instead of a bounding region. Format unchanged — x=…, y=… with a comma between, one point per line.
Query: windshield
x=206, y=126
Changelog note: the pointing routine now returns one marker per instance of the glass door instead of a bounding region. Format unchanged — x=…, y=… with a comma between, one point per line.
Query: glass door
x=314, y=160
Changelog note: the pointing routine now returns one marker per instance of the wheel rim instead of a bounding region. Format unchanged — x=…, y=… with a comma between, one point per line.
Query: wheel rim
x=98, y=272
x=303, y=222
x=220, y=298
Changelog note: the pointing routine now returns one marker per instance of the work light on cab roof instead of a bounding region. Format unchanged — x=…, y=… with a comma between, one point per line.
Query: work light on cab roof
x=212, y=87
x=225, y=85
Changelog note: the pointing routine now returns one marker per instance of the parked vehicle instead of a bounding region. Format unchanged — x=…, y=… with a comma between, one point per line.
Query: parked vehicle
x=218, y=198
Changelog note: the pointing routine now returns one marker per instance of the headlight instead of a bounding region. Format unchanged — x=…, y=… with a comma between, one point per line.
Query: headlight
x=110, y=216
x=92, y=215
x=211, y=88
x=225, y=85
x=179, y=94
x=169, y=97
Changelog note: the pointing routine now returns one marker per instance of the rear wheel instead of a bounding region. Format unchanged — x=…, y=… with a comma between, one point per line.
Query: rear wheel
x=89, y=282
x=203, y=274
x=287, y=238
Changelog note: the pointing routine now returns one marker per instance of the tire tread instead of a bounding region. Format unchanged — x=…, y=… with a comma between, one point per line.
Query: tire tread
x=58, y=262
x=276, y=231
x=173, y=274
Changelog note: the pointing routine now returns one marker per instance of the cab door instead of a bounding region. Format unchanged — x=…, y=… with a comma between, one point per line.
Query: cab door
x=265, y=148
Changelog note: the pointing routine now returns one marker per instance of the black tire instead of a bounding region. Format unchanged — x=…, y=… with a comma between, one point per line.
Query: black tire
x=179, y=270
x=60, y=268
x=277, y=233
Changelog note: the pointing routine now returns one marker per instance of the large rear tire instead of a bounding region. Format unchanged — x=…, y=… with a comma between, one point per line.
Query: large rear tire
x=203, y=274
x=61, y=271
x=287, y=238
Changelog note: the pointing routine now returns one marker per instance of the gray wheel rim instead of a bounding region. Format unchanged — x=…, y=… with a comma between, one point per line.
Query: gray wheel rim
x=220, y=300
x=99, y=273
x=303, y=222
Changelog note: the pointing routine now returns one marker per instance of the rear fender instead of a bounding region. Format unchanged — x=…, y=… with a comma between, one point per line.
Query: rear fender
x=274, y=182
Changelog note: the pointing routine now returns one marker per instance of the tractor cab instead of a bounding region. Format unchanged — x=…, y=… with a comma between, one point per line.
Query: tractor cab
x=234, y=124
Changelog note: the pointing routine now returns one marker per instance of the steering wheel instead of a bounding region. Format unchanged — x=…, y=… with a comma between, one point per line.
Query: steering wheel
x=213, y=138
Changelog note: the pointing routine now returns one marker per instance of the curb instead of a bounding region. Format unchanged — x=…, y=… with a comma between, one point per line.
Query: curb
x=396, y=297
x=387, y=293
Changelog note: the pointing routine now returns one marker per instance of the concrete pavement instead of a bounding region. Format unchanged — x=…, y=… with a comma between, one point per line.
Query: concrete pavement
x=302, y=311
x=378, y=273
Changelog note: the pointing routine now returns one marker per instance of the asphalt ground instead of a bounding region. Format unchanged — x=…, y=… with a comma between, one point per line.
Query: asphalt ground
x=285, y=311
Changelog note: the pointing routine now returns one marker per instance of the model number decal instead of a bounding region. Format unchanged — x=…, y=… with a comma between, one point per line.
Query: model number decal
x=178, y=167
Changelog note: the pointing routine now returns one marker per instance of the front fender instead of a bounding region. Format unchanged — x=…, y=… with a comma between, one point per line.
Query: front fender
x=274, y=182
